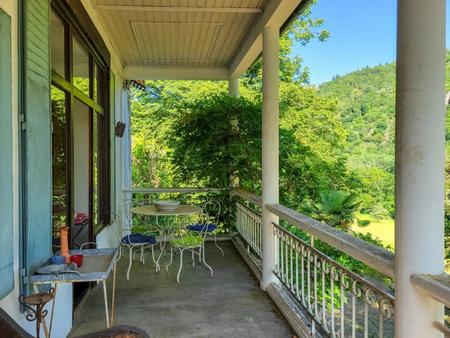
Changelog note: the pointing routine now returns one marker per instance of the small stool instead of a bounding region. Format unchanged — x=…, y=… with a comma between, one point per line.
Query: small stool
x=37, y=300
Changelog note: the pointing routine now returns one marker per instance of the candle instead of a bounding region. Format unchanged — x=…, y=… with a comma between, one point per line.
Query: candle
x=63, y=236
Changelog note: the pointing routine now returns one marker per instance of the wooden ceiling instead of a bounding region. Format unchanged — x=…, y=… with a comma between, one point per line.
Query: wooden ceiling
x=178, y=33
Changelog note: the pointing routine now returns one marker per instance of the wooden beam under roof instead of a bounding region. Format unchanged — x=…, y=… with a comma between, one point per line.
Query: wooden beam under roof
x=175, y=73
x=139, y=8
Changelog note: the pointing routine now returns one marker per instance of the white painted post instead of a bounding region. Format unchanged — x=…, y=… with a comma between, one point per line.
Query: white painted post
x=233, y=87
x=420, y=149
x=270, y=149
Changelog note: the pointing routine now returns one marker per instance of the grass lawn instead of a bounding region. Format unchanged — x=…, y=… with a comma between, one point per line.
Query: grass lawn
x=383, y=229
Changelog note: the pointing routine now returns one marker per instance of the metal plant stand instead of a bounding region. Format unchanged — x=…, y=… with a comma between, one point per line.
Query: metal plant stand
x=35, y=304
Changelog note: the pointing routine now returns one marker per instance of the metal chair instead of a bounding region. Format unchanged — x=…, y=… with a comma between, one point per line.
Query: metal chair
x=137, y=237
x=193, y=241
x=212, y=210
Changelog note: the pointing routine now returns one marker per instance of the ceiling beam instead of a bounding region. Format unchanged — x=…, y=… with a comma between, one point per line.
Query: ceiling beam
x=174, y=73
x=275, y=14
x=172, y=9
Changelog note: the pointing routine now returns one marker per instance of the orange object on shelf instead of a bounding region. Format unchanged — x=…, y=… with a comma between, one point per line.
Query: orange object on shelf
x=64, y=240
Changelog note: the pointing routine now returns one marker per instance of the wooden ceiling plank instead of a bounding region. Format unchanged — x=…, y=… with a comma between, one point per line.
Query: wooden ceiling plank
x=251, y=10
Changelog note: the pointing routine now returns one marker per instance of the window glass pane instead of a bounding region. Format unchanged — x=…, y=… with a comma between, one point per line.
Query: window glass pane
x=80, y=67
x=58, y=46
x=81, y=172
x=59, y=162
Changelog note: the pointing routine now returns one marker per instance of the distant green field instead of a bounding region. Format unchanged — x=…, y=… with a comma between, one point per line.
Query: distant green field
x=383, y=229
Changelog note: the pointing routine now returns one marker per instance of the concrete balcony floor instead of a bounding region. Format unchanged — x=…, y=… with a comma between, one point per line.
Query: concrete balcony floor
x=230, y=304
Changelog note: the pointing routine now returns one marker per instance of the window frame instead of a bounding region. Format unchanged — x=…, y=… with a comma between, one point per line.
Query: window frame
x=102, y=107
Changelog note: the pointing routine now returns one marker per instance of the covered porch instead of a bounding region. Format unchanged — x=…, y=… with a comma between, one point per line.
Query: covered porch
x=271, y=282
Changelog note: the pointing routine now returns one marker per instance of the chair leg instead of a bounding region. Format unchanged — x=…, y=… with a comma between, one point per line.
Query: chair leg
x=200, y=249
x=204, y=262
x=120, y=253
x=154, y=260
x=171, y=259
x=181, y=265
x=130, y=262
x=217, y=246
x=193, y=258
x=141, y=258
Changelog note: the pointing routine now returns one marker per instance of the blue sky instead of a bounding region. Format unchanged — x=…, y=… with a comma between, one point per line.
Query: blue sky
x=363, y=33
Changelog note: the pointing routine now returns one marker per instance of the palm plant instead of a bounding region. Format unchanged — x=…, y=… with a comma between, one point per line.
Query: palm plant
x=336, y=208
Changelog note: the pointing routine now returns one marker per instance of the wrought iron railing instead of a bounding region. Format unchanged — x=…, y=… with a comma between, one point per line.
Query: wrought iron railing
x=341, y=302
x=338, y=302
x=248, y=225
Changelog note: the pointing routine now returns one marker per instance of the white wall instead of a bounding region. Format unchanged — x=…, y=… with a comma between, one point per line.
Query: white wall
x=64, y=296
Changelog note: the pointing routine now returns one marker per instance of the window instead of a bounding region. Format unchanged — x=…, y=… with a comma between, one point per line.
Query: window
x=81, y=154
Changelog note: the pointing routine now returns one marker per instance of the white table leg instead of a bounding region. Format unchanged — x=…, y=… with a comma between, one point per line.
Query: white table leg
x=105, y=295
x=113, y=297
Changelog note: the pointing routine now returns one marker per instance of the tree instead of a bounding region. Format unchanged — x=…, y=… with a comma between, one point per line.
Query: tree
x=303, y=30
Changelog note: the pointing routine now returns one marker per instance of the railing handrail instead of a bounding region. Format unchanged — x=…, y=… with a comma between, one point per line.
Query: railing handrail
x=172, y=190
x=373, y=256
x=253, y=198
x=437, y=286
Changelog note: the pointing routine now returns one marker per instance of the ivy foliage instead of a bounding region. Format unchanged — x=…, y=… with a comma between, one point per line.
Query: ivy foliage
x=216, y=137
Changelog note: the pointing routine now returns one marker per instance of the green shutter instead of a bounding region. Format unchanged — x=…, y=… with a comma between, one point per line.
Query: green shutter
x=37, y=141
x=6, y=172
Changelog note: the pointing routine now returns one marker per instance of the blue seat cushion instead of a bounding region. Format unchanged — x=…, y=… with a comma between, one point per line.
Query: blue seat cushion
x=138, y=238
x=201, y=227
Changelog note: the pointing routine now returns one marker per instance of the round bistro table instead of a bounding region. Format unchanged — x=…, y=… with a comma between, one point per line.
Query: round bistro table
x=167, y=231
x=152, y=210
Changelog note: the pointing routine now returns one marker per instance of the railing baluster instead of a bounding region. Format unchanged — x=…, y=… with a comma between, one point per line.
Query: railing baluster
x=308, y=281
x=286, y=260
x=303, y=275
x=316, y=314
x=354, y=310
x=333, y=331
x=380, y=325
x=324, y=298
x=296, y=270
x=342, y=276
x=366, y=320
x=291, y=257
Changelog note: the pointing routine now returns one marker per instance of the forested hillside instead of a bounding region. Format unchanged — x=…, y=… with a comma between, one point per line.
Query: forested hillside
x=366, y=104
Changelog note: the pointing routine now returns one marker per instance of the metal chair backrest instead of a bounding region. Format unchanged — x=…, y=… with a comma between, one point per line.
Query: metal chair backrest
x=129, y=204
x=212, y=209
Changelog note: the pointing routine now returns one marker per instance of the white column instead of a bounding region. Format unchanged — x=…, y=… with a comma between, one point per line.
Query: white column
x=420, y=149
x=233, y=87
x=270, y=149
